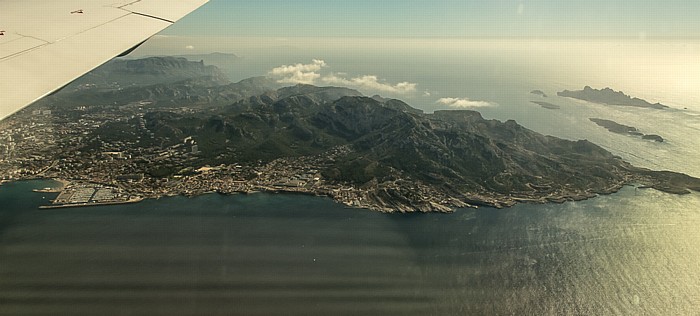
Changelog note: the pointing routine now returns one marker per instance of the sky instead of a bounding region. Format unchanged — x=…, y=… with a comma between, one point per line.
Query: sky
x=443, y=18
x=367, y=45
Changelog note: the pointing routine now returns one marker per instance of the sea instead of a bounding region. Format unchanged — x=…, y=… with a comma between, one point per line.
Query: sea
x=635, y=252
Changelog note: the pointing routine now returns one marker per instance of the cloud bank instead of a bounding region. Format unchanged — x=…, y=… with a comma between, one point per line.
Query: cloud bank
x=464, y=103
x=311, y=74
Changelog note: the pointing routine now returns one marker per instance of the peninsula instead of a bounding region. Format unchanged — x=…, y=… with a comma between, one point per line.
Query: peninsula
x=374, y=153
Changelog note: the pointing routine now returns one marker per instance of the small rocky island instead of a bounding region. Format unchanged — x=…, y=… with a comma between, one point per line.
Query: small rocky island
x=610, y=97
x=624, y=129
x=653, y=137
x=164, y=136
x=547, y=105
x=539, y=93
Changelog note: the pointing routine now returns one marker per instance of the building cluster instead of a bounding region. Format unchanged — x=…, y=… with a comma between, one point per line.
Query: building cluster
x=90, y=194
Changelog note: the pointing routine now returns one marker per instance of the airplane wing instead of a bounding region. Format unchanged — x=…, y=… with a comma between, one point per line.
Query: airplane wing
x=44, y=45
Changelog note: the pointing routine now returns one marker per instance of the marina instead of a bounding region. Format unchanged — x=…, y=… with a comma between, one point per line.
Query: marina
x=81, y=195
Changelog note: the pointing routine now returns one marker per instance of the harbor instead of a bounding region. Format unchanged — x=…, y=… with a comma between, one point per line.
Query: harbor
x=86, y=194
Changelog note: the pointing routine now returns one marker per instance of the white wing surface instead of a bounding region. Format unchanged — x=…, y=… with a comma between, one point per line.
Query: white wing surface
x=44, y=45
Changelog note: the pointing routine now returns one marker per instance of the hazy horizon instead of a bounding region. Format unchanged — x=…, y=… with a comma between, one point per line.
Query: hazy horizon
x=660, y=70
x=415, y=18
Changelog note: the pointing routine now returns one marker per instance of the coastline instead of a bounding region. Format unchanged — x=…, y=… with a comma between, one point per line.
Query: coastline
x=63, y=184
x=60, y=206
x=355, y=198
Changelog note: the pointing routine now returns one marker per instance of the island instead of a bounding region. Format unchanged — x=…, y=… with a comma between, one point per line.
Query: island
x=547, y=105
x=157, y=138
x=609, y=97
x=624, y=129
x=653, y=137
x=539, y=93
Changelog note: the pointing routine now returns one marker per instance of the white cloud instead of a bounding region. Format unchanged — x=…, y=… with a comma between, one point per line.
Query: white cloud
x=521, y=8
x=299, y=73
x=310, y=74
x=464, y=103
x=370, y=83
x=190, y=47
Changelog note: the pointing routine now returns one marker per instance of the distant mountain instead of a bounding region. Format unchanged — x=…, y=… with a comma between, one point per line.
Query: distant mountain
x=221, y=60
x=610, y=97
x=196, y=93
x=159, y=81
x=123, y=73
